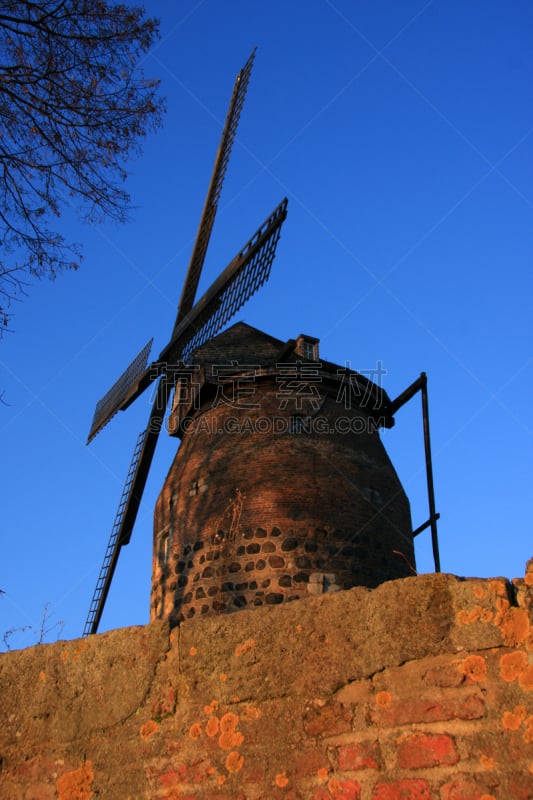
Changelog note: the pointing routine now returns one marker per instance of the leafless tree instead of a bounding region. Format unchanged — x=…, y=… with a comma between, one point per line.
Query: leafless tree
x=74, y=105
x=41, y=634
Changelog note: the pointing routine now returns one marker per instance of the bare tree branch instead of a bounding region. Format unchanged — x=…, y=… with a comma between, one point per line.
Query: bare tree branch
x=74, y=106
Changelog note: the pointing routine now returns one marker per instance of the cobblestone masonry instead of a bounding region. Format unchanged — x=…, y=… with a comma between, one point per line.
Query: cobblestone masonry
x=420, y=689
x=281, y=487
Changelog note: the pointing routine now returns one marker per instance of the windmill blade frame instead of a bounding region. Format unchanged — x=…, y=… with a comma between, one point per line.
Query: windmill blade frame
x=114, y=399
x=205, y=227
x=243, y=276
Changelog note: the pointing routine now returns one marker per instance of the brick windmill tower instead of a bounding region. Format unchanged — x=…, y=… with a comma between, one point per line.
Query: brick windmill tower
x=281, y=486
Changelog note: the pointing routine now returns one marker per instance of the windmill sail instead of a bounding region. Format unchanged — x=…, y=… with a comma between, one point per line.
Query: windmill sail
x=107, y=407
x=213, y=193
x=243, y=276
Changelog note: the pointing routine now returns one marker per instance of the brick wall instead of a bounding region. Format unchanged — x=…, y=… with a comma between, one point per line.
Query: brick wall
x=420, y=689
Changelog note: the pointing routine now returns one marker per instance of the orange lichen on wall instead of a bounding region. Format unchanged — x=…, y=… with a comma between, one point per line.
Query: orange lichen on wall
x=229, y=722
x=498, y=588
x=525, y=679
x=211, y=708
x=512, y=622
x=474, y=667
x=244, y=647
x=230, y=737
x=76, y=785
x=383, y=699
x=211, y=728
x=512, y=720
x=195, y=731
x=148, y=729
x=502, y=607
x=475, y=614
x=281, y=779
x=514, y=626
x=234, y=762
x=251, y=713
x=487, y=762
x=512, y=665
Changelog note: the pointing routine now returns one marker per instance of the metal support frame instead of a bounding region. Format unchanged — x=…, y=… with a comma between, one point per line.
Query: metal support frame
x=421, y=385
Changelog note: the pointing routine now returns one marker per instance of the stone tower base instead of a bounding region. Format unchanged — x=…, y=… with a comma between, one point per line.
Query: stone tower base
x=418, y=689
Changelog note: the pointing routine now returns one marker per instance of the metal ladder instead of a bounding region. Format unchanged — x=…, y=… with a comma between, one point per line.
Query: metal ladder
x=114, y=544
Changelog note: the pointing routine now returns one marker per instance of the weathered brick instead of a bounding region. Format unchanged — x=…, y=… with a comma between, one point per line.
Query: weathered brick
x=407, y=789
x=463, y=788
x=438, y=707
x=344, y=789
x=309, y=762
x=321, y=793
x=360, y=755
x=444, y=676
x=521, y=787
x=355, y=693
x=276, y=794
x=327, y=720
x=426, y=750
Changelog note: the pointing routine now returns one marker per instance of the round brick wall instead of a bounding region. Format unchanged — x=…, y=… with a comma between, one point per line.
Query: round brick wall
x=263, y=505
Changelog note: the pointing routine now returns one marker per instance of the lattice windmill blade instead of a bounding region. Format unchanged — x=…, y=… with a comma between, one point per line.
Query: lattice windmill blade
x=213, y=193
x=117, y=396
x=243, y=276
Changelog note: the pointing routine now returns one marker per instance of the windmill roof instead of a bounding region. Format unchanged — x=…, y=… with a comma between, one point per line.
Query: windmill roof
x=244, y=346
x=241, y=343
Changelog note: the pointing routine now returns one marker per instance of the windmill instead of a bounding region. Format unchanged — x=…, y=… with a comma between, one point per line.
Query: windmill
x=195, y=324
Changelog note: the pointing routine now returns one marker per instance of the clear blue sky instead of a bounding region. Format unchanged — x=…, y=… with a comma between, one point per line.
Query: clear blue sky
x=401, y=133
